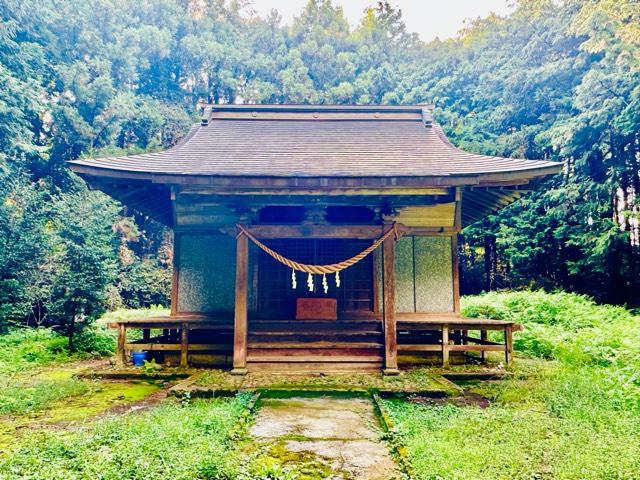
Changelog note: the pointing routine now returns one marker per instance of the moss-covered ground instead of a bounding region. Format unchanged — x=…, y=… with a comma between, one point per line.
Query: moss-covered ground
x=420, y=380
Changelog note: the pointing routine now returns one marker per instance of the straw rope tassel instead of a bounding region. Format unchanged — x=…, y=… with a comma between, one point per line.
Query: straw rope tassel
x=325, y=285
x=294, y=282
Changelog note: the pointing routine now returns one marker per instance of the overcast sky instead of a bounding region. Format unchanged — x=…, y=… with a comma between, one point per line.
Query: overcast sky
x=429, y=18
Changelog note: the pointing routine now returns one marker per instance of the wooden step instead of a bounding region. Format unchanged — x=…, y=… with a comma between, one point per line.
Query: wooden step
x=314, y=344
x=314, y=367
x=314, y=359
x=315, y=327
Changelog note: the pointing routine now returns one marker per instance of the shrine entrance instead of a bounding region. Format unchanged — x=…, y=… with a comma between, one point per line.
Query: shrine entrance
x=277, y=291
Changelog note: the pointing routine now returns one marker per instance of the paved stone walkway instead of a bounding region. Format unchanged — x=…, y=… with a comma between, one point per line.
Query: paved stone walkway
x=323, y=437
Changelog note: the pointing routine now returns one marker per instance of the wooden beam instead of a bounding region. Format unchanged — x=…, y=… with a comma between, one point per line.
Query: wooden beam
x=184, y=345
x=389, y=310
x=508, y=344
x=445, y=346
x=483, y=337
x=122, y=340
x=324, y=191
x=240, y=327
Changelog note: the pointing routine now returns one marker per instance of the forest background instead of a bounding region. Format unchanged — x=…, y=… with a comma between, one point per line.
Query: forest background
x=555, y=80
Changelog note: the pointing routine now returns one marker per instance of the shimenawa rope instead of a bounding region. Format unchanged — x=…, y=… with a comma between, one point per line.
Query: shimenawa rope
x=319, y=269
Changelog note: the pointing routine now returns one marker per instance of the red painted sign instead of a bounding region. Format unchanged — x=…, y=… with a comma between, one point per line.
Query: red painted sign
x=316, y=309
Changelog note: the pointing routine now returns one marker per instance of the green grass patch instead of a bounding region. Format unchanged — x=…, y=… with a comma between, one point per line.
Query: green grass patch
x=571, y=410
x=189, y=441
x=34, y=371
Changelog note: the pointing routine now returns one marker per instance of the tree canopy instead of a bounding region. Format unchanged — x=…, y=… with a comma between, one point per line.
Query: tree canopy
x=555, y=79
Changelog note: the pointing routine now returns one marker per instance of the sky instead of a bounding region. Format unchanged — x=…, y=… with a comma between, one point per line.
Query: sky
x=429, y=18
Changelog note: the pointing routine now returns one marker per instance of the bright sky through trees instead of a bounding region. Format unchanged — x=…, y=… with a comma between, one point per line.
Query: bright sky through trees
x=429, y=18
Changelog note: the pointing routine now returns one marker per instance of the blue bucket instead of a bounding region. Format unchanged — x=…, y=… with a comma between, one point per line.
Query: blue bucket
x=138, y=358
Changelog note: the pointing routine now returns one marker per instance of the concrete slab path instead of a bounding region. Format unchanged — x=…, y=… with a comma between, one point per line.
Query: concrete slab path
x=324, y=437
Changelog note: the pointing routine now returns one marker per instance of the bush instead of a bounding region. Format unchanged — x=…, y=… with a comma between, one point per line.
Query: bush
x=564, y=326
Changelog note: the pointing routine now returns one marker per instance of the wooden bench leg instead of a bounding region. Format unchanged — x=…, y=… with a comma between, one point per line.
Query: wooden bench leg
x=483, y=354
x=122, y=340
x=445, y=346
x=508, y=344
x=184, y=345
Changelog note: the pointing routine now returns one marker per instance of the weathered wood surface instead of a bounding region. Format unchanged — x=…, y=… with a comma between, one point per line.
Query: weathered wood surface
x=184, y=344
x=240, y=319
x=122, y=340
x=389, y=310
x=287, y=345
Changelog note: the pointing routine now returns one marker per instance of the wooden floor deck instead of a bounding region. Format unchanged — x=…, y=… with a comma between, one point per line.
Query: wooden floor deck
x=316, y=345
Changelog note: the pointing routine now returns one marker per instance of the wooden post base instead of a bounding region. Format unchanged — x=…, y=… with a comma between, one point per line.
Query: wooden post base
x=238, y=371
x=391, y=371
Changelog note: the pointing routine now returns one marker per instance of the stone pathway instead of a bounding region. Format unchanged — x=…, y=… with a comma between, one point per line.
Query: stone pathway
x=322, y=437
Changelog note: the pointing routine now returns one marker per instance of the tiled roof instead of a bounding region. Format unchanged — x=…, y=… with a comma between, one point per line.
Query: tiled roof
x=316, y=141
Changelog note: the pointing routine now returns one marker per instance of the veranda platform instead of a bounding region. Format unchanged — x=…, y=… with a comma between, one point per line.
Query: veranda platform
x=315, y=346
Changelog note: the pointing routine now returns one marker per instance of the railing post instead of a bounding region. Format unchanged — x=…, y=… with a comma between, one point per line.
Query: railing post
x=445, y=345
x=240, y=327
x=122, y=340
x=184, y=345
x=508, y=343
x=483, y=337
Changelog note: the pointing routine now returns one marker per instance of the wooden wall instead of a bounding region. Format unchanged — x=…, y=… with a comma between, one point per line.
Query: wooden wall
x=424, y=274
x=206, y=273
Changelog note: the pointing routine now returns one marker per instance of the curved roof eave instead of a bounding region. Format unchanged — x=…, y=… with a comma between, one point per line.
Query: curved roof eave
x=290, y=143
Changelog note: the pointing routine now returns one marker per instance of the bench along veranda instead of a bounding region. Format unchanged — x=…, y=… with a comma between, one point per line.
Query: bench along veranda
x=267, y=204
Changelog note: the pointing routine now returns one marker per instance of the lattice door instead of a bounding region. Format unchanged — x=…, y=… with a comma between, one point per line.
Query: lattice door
x=277, y=298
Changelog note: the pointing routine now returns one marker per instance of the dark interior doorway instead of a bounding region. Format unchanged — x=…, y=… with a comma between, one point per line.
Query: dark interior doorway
x=276, y=297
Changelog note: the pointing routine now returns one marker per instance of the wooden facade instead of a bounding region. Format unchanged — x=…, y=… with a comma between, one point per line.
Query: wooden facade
x=316, y=184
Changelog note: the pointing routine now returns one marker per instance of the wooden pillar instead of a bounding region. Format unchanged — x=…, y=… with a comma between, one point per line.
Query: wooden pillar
x=389, y=307
x=508, y=343
x=184, y=345
x=445, y=346
x=483, y=337
x=240, y=328
x=146, y=335
x=122, y=340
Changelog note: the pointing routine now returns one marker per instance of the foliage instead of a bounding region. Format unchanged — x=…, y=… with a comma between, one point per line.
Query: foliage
x=20, y=397
x=189, y=441
x=25, y=349
x=575, y=417
x=25, y=354
x=564, y=326
x=557, y=80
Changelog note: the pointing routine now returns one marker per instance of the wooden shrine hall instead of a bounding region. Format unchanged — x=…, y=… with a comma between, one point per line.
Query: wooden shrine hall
x=315, y=237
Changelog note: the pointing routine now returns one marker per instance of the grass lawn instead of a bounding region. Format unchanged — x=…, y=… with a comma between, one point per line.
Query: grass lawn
x=172, y=440
x=571, y=410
